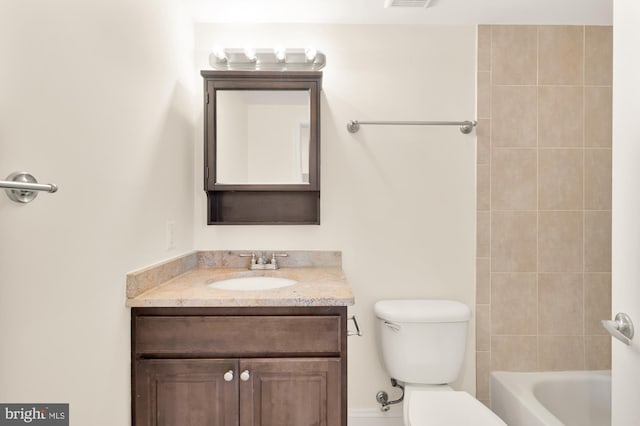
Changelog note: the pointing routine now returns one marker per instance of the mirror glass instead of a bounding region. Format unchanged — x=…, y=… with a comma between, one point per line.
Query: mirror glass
x=262, y=136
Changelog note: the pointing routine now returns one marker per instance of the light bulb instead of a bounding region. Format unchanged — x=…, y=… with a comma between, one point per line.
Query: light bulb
x=219, y=53
x=310, y=52
x=250, y=53
x=281, y=54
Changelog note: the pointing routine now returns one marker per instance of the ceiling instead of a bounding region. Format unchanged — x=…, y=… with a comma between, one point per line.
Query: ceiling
x=589, y=12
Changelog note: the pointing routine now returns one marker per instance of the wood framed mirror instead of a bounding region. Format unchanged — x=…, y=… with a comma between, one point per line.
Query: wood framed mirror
x=262, y=147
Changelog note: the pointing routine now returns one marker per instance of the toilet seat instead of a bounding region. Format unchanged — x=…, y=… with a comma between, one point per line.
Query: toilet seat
x=452, y=408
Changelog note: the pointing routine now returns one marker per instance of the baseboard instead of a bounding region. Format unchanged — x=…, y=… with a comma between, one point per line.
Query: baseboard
x=373, y=417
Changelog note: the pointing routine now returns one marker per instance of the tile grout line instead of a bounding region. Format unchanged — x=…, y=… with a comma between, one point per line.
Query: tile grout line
x=584, y=200
x=537, y=199
x=490, y=204
x=477, y=191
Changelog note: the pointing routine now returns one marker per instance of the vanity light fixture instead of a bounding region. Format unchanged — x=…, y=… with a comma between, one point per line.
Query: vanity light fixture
x=267, y=59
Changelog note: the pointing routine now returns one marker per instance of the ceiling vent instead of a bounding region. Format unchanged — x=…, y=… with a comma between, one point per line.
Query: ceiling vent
x=407, y=3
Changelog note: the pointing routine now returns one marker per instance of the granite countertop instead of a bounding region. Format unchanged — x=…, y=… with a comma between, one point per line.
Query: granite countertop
x=183, y=282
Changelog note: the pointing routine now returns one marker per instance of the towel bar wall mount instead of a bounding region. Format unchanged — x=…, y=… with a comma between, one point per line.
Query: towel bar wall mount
x=22, y=187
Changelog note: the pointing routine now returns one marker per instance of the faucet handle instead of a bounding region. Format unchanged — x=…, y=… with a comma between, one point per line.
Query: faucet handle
x=274, y=262
x=251, y=255
x=274, y=255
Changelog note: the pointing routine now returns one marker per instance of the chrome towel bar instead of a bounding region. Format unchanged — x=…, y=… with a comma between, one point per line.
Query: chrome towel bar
x=465, y=126
x=21, y=187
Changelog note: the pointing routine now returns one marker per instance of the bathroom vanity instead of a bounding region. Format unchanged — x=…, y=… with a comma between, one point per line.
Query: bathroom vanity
x=203, y=355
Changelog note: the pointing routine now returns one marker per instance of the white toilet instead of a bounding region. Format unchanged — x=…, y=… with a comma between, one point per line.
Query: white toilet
x=422, y=343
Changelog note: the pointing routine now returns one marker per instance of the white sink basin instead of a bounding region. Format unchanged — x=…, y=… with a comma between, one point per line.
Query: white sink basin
x=252, y=283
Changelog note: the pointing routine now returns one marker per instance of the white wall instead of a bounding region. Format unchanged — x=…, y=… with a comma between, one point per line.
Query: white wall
x=95, y=96
x=399, y=202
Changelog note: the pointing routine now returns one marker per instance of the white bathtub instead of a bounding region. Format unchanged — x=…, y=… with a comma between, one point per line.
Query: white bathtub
x=570, y=398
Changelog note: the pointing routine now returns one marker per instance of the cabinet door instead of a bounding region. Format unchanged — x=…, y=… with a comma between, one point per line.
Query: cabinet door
x=186, y=392
x=290, y=392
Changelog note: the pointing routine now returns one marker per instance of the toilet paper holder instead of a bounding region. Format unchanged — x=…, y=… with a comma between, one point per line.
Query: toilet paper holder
x=357, y=332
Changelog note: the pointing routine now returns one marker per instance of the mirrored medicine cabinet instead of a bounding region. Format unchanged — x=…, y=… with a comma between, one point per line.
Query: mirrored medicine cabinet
x=262, y=147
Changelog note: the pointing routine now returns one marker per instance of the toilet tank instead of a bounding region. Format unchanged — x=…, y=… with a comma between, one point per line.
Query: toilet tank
x=422, y=341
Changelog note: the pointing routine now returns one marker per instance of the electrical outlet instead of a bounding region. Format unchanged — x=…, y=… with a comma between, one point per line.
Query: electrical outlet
x=171, y=234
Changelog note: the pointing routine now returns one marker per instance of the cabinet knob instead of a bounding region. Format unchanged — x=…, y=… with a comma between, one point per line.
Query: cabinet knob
x=228, y=376
x=244, y=376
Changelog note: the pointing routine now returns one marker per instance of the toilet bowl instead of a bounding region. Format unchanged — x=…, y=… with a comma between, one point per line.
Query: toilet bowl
x=422, y=344
x=451, y=408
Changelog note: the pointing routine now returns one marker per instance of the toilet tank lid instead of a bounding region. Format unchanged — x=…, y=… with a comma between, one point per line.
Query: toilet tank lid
x=422, y=310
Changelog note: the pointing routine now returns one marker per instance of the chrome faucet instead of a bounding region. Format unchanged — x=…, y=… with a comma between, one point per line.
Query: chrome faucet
x=262, y=262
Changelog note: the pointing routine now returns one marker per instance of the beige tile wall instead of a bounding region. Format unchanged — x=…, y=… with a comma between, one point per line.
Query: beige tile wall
x=544, y=199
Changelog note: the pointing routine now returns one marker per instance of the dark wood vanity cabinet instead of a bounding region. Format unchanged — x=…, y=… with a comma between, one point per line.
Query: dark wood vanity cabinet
x=184, y=392
x=239, y=366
